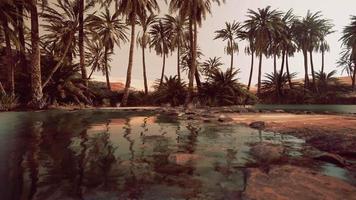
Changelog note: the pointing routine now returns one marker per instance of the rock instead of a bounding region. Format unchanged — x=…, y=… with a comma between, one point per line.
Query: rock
x=332, y=158
x=258, y=125
x=267, y=152
x=279, y=111
x=224, y=118
x=290, y=182
x=182, y=158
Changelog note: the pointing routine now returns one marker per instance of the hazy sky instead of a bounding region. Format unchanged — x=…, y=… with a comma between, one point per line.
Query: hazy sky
x=338, y=11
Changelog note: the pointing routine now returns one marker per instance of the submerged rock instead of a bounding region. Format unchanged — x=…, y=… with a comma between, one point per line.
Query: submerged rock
x=224, y=118
x=182, y=158
x=295, y=183
x=267, y=152
x=258, y=125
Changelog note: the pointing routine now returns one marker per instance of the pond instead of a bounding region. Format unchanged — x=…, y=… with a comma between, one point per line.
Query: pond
x=344, y=109
x=129, y=155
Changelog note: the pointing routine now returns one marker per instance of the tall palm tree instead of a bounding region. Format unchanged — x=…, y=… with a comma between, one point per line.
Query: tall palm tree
x=35, y=70
x=110, y=30
x=177, y=27
x=264, y=23
x=324, y=46
x=229, y=33
x=196, y=11
x=349, y=42
x=81, y=41
x=131, y=9
x=143, y=40
x=249, y=35
x=161, y=42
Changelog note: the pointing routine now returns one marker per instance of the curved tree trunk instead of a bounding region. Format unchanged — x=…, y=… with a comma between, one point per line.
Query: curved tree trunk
x=81, y=42
x=312, y=70
x=2, y=90
x=259, y=75
x=65, y=54
x=36, y=86
x=107, y=70
x=197, y=78
x=306, y=77
x=251, y=70
x=129, y=67
x=288, y=74
x=178, y=62
x=282, y=64
x=144, y=70
x=163, y=68
x=9, y=59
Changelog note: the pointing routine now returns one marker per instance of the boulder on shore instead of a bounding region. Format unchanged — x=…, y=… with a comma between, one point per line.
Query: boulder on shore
x=258, y=125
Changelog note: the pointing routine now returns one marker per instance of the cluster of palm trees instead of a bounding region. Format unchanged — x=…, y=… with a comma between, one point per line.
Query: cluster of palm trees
x=76, y=29
x=272, y=33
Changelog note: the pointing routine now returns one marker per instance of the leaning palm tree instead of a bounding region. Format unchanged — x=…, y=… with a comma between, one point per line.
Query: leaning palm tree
x=110, y=30
x=264, y=23
x=249, y=35
x=196, y=11
x=229, y=34
x=177, y=26
x=131, y=9
x=96, y=58
x=161, y=42
x=143, y=41
x=349, y=42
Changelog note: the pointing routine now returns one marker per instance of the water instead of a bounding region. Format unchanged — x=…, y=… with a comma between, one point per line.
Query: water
x=122, y=155
x=345, y=109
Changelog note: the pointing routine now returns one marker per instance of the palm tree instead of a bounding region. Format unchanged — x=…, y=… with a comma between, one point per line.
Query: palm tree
x=177, y=27
x=110, y=30
x=349, y=42
x=229, y=33
x=61, y=25
x=143, y=40
x=210, y=65
x=324, y=46
x=7, y=12
x=131, y=9
x=35, y=70
x=196, y=11
x=161, y=42
x=325, y=79
x=96, y=58
x=81, y=41
x=264, y=23
x=249, y=35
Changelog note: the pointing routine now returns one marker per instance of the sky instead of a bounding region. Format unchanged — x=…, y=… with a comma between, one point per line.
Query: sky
x=337, y=11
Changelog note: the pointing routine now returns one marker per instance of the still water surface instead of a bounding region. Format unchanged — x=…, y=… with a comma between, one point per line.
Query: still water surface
x=122, y=155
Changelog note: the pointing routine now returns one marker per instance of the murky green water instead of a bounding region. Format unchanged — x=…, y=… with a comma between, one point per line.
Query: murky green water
x=121, y=155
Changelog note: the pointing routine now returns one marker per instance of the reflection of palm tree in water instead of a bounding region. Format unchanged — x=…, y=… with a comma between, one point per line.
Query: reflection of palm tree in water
x=33, y=156
x=81, y=162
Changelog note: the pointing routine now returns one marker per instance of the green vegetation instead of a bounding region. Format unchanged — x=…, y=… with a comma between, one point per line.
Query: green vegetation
x=37, y=70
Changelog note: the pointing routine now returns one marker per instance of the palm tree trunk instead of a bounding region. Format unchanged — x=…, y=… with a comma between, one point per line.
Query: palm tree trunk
x=192, y=22
x=144, y=70
x=81, y=42
x=107, y=69
x=288, y=74
x=91, y=73
x=129, y=67
x=322, y=61
x=251, y=70
x=36, y=86
x=282, y=64
x=312, y=70
x=259, y=75
x=9, y=59
x=197, y=78
x=306, y=77
x=232, y=57
x=65, y=54
x=2, y=90
x=21, y=35
x=178, y=62
x=163, y=68
x=275, y=63
x=354, y=78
